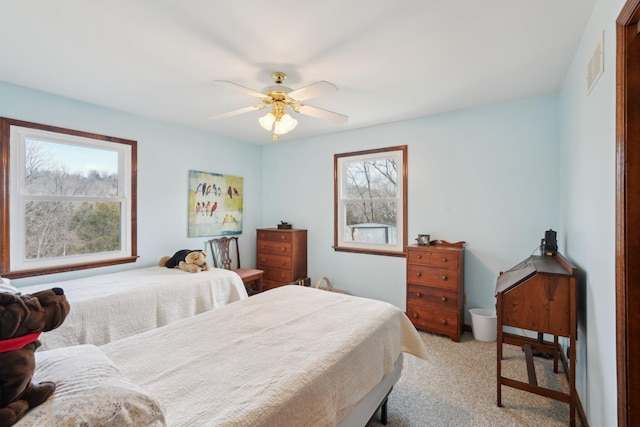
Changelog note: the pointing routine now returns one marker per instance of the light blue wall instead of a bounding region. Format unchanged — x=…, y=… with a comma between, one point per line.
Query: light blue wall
x=166, y=153
x=488, y=176
x=587, y=174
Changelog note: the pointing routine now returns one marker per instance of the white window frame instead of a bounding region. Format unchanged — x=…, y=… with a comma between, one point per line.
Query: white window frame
x=16, y=265
x=340, y=163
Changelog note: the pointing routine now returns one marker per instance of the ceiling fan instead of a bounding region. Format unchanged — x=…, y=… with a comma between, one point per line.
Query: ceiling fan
x=280, y=98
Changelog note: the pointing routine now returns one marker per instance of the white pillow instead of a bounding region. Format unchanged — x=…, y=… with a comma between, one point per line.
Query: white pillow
x=90, y=392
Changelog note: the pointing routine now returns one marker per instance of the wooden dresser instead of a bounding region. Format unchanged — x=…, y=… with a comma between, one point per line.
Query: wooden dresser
x=282, y=255
x=435, y=287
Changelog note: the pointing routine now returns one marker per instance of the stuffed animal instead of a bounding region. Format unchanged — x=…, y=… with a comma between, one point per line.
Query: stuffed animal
x=22, y=318
x=189, y=260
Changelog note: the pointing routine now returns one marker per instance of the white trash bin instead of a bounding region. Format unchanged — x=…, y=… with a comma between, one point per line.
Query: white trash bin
x=484, y=324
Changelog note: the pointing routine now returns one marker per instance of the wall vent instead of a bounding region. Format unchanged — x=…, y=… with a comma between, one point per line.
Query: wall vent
x=595, y=67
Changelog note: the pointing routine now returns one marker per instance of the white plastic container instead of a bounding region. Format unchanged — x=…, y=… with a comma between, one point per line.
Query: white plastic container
x=484, y=324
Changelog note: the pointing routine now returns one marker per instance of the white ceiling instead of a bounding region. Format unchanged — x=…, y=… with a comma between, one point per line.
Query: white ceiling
x=391, y=59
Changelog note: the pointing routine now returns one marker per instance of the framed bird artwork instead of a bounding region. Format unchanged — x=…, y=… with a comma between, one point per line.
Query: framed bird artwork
x=215, y=204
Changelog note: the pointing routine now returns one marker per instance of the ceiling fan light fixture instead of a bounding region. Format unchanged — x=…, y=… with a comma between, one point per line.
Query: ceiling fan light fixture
x=267, y=121
x=285, y=124
x=278, y=120
x=279, y=97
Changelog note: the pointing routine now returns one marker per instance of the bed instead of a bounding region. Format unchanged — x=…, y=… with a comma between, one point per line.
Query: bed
x=286, y=357
x=112, y=306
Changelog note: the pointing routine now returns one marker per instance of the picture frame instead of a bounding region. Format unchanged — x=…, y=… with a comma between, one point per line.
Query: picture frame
x=215, y=204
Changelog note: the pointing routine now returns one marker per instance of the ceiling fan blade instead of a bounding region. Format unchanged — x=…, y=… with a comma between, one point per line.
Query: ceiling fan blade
x=313, y=90
x=242, y=89
x=319, y=113
x=236, y=112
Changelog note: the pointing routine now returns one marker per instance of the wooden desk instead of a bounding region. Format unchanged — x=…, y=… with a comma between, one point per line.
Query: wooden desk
x=539, y=294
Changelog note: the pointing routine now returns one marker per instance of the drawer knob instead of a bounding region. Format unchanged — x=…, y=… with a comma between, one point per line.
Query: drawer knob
x=444, y=259
x=418, y=294
x=418, y=273
x=415, y=315
x=283, y=249
x=419, y=256
x=282, y=237
x=444, y=299
x=444, y=278
x=444, y=321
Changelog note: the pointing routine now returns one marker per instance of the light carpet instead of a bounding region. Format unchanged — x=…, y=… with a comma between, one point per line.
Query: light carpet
x=457, y=387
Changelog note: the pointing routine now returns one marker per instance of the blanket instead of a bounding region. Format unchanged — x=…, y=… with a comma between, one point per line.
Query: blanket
x=108, y=307
x=289, y=356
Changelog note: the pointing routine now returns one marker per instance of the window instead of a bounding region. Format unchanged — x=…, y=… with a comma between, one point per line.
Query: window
x=370, y=193
x=68, y=200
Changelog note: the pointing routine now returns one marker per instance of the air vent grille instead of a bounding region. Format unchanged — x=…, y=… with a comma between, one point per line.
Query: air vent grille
x=595, y=67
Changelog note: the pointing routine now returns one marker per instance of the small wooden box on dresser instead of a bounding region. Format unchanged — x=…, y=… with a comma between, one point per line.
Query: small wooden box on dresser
x=282, y=255
x=435, y=287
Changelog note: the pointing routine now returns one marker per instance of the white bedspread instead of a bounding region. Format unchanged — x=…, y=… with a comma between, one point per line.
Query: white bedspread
x=291, y=356
x=108, y=307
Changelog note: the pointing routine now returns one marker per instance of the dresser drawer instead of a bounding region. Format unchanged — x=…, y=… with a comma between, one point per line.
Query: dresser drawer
x=271, y=247
x=277, y=274
x=278, y=261
x=438, y=277
x=440, y=299
x=430, y=319
x=444, y=259
x=274, y=236
x=418, y=257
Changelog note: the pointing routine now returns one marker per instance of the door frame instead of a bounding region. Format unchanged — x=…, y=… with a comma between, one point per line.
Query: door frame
x=627, y=216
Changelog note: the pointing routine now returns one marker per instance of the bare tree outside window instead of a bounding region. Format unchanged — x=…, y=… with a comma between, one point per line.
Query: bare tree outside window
x=61, y=227
x=371, y=191
x=72, y=199
x=371, y=201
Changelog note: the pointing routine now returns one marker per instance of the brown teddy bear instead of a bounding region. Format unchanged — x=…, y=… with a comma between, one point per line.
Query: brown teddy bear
x=189, y=260
x=22, y=319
